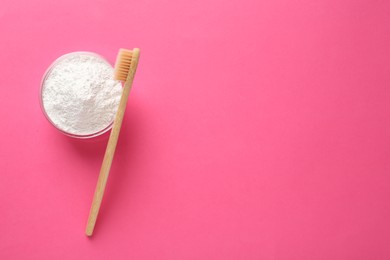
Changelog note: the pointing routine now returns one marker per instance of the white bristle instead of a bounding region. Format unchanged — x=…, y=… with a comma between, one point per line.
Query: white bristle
x=122, y=65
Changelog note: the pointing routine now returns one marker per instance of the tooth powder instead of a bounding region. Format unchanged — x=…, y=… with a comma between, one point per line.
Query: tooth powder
x=79, y=95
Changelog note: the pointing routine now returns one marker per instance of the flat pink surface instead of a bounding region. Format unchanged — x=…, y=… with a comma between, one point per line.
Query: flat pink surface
x=256, y=129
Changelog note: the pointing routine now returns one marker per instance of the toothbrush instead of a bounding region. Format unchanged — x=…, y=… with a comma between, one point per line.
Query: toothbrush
x=125, y=68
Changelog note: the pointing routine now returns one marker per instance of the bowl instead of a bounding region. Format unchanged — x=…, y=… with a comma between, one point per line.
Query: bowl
x=42, y=90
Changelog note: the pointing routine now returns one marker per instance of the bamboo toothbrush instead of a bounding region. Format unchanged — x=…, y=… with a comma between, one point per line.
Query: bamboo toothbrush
x=125, y=68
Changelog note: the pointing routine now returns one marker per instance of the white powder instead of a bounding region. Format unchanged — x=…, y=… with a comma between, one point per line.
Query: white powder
x=80, y=95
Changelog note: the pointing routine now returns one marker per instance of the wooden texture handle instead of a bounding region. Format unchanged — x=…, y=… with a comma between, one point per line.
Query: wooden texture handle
x=112, y=142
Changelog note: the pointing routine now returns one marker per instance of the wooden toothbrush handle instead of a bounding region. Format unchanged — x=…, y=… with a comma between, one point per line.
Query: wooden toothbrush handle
x=110, y=150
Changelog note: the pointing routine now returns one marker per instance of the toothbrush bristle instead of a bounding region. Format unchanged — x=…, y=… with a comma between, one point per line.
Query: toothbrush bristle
x=122, y=65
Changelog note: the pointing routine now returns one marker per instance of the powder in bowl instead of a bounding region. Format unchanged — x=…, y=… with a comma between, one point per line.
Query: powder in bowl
x=79, y=94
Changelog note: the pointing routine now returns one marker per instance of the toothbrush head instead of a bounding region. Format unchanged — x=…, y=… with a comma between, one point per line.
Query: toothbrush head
x=126, y=60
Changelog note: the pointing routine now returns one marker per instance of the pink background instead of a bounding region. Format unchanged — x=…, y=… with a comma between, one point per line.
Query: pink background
x=256, y=129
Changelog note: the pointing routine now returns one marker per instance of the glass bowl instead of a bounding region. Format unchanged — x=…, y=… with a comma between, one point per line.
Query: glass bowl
x=47, y=73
